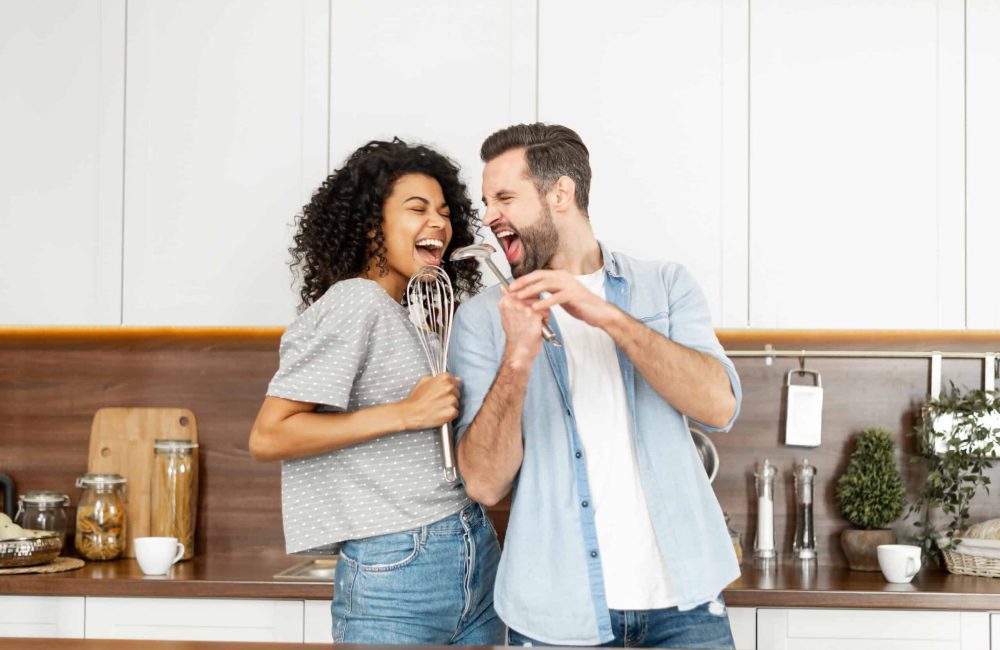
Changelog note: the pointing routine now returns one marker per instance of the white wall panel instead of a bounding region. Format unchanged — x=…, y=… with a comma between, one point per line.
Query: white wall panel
x=226, y=133
x=857, y=164
x=62, y=66
x=657, y=91
x=983, y=92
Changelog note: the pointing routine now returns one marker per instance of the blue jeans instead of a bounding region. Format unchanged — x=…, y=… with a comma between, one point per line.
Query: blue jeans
x=427, y=585
x=705, y=626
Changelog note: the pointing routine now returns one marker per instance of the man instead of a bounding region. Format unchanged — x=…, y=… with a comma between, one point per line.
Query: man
x=614, y=534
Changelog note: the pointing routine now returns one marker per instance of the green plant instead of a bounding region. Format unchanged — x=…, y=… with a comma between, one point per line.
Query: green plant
x=870, y=493
x=958, y=435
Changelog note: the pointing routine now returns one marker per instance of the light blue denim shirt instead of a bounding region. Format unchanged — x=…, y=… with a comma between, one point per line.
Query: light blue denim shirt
x=550, y=584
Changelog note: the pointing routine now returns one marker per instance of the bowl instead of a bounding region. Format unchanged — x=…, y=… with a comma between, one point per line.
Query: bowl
x=39, y=548
x=707, y=452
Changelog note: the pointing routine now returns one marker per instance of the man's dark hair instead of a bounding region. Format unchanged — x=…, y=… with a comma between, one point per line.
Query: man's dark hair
x=551, y=151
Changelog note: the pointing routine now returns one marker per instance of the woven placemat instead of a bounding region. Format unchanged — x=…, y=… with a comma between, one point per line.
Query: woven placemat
x=55, y=566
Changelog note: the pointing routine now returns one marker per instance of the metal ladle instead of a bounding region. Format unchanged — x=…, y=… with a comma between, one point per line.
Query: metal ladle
x=482, y=253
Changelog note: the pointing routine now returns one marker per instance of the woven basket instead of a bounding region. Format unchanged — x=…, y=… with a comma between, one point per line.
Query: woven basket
x=971, y=565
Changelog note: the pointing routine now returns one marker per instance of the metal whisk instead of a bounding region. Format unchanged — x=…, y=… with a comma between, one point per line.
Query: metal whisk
x=431, y=302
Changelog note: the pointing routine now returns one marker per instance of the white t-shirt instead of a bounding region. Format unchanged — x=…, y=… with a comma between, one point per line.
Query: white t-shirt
x=635, y=574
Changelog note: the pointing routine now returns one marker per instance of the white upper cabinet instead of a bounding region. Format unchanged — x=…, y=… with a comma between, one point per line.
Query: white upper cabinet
x=225, y=139
x=62, y=65
x=658, y=92
x=857, y=164
x=445, y=73
x=983, y=92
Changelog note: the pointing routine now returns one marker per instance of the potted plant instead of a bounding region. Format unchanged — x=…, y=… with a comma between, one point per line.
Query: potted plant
x=870, y=496
x=959, y=436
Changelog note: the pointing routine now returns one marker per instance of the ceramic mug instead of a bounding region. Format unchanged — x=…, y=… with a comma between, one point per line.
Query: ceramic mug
x=899, y=562
x=157, y=554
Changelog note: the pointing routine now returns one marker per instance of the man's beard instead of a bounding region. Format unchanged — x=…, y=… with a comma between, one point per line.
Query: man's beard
x=539, y=244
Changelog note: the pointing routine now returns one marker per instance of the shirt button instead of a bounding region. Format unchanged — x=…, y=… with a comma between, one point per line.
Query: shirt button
x=593, y=554
x=584, y=504
x=578, y=454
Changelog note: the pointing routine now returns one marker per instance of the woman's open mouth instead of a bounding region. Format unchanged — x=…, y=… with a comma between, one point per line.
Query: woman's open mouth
x=429, y=251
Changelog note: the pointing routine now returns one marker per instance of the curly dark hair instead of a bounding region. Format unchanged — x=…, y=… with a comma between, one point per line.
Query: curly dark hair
x=332, y=239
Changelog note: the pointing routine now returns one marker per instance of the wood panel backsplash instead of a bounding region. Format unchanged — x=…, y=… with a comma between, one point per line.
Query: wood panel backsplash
x=52, y=382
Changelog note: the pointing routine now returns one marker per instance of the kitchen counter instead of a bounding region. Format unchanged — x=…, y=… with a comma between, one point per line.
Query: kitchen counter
x=226, y=577
x=201, y=577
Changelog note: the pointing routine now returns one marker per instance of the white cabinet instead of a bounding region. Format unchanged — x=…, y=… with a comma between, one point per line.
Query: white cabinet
x=42, y=616
x=225, y=140
x=317, y=622
x=857, y=164
x=983, y=190
x=62, y=64
x=195, y=619
x=871, y=629
x=658, y=92
x=437, y=72
x=743, y=623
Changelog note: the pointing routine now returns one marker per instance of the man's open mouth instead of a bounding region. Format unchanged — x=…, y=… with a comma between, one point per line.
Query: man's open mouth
x=510, y=242
x=430, y=250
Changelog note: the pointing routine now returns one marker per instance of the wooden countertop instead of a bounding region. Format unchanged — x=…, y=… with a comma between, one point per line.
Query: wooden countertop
x=228, y=577
x=201, y=577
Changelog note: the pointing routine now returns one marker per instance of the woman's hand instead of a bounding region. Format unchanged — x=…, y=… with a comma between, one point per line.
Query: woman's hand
x=432, y=402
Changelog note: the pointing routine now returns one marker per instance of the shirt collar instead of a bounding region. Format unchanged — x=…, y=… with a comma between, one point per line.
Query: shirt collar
x=610, y=264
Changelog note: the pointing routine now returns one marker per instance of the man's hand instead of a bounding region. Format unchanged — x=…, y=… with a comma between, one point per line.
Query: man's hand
x=578, y=301
x=523, y=327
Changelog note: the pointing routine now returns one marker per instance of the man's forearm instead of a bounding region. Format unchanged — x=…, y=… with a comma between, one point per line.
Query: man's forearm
x=491, y=450
x=692, y=382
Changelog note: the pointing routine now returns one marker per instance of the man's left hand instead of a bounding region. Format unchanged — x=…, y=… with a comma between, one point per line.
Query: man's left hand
x=565, y=290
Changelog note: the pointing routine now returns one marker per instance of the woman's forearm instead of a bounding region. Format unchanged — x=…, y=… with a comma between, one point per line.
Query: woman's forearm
x=280, y=435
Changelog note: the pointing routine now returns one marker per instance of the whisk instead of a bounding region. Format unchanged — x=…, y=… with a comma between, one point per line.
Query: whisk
x=431, y=303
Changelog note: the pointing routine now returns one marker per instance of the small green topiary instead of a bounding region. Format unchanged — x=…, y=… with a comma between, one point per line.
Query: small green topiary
x=870, y=493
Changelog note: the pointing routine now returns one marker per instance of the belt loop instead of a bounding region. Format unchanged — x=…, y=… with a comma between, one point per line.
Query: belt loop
x=423, y=535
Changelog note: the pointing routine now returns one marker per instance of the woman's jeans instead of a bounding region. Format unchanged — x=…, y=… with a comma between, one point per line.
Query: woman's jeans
x=432, y=584
x=705, y=626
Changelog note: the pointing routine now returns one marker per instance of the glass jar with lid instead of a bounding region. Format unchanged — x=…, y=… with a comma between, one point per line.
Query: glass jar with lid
x=42, y=511
x=174, y=510
x=100, y=516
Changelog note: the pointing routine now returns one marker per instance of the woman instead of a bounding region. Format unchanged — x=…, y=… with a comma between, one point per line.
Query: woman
x=353, y=417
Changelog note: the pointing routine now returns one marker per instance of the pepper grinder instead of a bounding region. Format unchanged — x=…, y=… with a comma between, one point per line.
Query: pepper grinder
x=804, y=542
x=763, y=546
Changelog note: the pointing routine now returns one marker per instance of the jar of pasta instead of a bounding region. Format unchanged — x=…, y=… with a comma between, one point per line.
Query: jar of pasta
x=175, y=492
x=100, y=516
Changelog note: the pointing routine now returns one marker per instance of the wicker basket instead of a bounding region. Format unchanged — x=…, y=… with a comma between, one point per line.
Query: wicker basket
x=971, y=565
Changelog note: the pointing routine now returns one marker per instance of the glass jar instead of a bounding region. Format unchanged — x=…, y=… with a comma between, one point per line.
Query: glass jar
x=100, y=516
x=43, y=511
x=175, y=492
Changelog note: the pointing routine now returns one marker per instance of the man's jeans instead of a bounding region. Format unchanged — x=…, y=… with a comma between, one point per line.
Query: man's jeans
x=428, y=585
x=706, y=626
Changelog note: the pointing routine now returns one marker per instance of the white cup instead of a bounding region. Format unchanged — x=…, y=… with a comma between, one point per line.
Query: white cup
x=899, y=562
x=157, y=554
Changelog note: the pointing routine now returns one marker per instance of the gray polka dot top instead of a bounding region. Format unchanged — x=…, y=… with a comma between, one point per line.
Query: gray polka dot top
x=355, y=348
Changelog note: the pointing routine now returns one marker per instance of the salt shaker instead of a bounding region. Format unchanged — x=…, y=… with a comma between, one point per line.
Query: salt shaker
x=763, y=546
x=804, y=542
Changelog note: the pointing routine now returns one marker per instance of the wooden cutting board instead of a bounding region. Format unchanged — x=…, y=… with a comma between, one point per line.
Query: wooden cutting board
x=121, y=442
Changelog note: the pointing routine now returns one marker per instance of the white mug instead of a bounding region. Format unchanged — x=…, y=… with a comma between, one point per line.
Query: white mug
x=899, y=562
x=157, y=554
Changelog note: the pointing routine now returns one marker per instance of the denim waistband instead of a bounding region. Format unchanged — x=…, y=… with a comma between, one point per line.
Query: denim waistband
x=471, y=515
